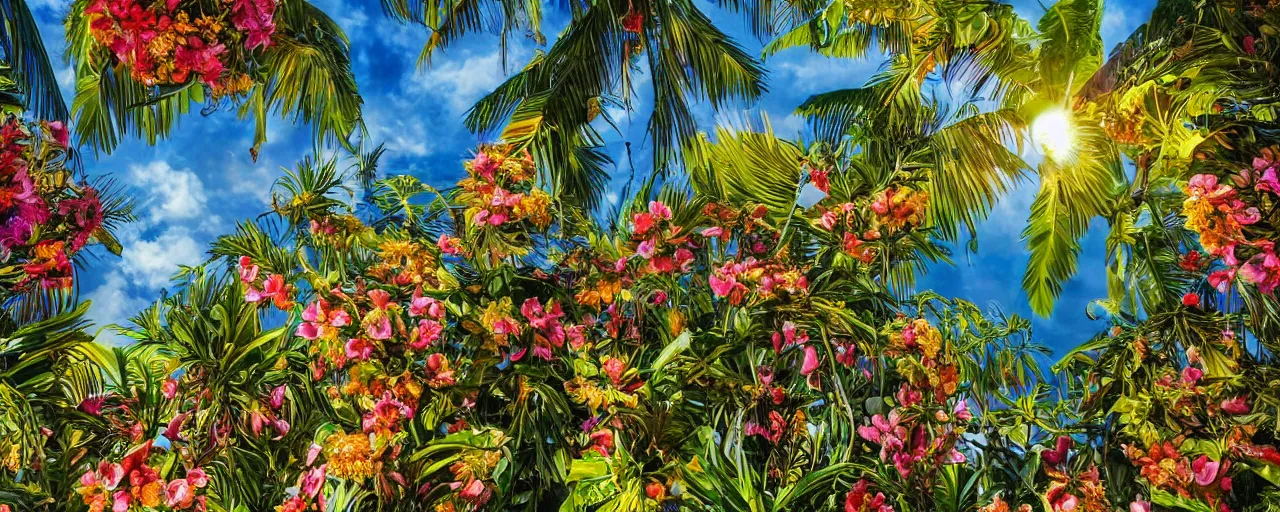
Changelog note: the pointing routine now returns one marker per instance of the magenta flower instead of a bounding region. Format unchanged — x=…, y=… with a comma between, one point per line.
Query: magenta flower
x=429, y=306
x=277, y=397
x=1205, y=470
x=1191, y=375
x=254, y=17
x=428, y=332
x=660, y=210
x=1058, y=455
x=722, y=287
x=1237, y=405
x=811, y=362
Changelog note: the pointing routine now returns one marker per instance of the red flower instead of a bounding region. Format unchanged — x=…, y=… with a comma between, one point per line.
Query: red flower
x=633, y=22
x=1191, y=300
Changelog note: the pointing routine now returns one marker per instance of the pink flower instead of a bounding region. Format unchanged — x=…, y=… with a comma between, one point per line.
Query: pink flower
x=173, y=431
x=828, y=220
x=1268, y=182
x=961, y=410
x=248, y=271
x=277, y=397
x=660, y=210
x=1191, y=375
x=810, y=360
x=312, y=481
x=120, y=501
x=169, y=388
x=449, y=245
x=1058, y=455
x=474, y=492
x=197, y=478
x=1205, y=470
x=1236, y=405
x=1138, y=505
x=1221, y=279
x=58, y=130
x=379, y=328
x=254, y=17
x=1263, y=270
x=713, y=232
x=428, y=332
x=178, y=494
x=93, y=405
x=359, y=349
x=722, y=287
x=313, y=452
x=1249, y=47
x=647, y=248
x=425, y=305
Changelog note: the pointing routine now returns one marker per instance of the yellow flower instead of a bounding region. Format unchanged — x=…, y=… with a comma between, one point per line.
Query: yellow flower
x=148, y=495
x=350, y=456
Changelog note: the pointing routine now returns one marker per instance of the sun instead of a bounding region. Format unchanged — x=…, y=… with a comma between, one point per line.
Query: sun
x=1052, y=130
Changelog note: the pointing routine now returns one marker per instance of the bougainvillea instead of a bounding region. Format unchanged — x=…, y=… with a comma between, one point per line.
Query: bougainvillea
x=45, y=217
x=173, y=42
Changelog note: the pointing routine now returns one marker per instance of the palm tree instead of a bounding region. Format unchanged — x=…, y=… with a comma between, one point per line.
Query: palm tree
x=27, y=80
x=550, y=105
x=304, y=75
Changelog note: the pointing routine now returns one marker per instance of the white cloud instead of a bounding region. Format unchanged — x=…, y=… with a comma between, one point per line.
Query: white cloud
x=150, y=262
x=401, y=130
x=111, y=303
x=252, y=181
x=462, y=79
x=177, y=194
x=1115, y=24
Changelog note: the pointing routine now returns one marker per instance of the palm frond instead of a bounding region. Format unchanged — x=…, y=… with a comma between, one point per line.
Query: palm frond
x=26, y=63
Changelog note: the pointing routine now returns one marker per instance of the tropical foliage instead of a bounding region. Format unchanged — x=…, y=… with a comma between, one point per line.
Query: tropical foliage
x=715, y=343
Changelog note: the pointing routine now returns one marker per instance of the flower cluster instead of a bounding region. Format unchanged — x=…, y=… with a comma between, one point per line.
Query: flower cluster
x=134, y=485
x=499, y=191
x=1070, y=490
x=1229, y=221
x=1165, y=468
x=761, y=279
x=174, y=41
x=660, y=245
x=45, y=219
x=860, y=499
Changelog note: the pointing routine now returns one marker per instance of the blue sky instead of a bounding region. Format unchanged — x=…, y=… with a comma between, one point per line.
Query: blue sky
x=198, y=184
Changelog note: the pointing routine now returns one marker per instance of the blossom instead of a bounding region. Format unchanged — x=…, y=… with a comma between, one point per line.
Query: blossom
x=1205, y=470
x=820, y=180
x=1236, y=405
x=427, y=332
x=1191, y=299
x=320, y=321
x=58, y=130
x=277, y=397
x=811, y=362
x=169, y=388
x=860, y=499
x=254, y=17
x=449, y=245
x=1191, y=375
x=1058, y=455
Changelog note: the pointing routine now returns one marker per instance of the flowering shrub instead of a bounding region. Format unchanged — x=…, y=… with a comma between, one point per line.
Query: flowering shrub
x=176, y=41
x=45, y=218
x=134, y=484
x=1227, y=214
x=472, y=355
